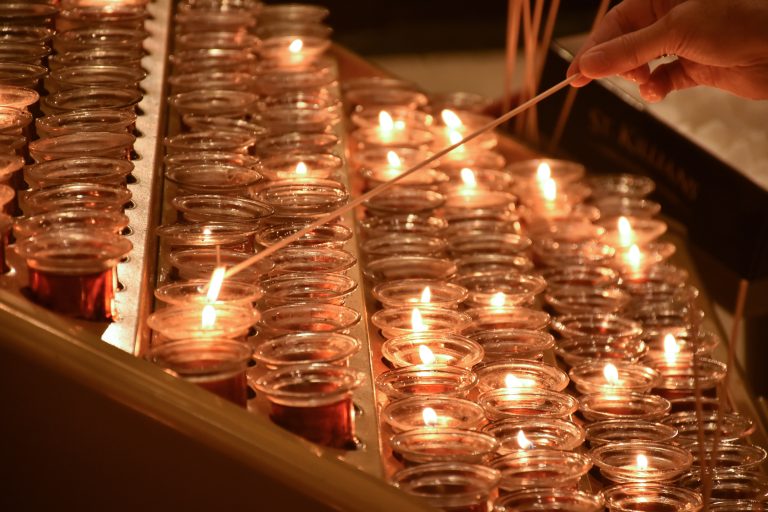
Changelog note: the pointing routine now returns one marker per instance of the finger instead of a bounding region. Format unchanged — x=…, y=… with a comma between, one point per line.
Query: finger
x=665, y=79
x=639, y=75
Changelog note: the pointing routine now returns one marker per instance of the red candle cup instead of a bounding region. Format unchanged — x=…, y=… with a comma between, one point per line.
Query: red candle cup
x=198, y=321
x=431, y=348
x=313, y=401
x=520, y=374
x=540, y=467
x=640, y=497
x=561, y=500
x=217, y=365
x=288, y=289
x=319, y=317
x=306, y=348
x=621, y=431
x=419, y=292
x=319, y=260
x=200, y=264
x=515, y=403
x=526, y=433
x=74, y=272
x=429, y=445
x=409, y=267
x=592, y=377
x=597, y=327
x=450, y=486
x=420, y=320
x=641, y=462
x=432, y=411
x=220, y=208
x=496, y=318
x=426, y=380
x=503, y=344
x=196, y=292
x=623, y=406
x=581, y=350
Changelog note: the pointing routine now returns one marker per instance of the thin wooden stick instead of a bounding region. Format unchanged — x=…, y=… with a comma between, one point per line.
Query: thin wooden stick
x=513, y=36
x=391, y=183
x=541, y=59
x=528, y=54
x=699, y=408
x=565, y=113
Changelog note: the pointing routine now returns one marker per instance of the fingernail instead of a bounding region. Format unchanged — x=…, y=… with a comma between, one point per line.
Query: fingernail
x=594, y=61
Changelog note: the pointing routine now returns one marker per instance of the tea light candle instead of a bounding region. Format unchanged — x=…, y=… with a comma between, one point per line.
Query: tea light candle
x=545, y=468
x=419, y=292
x=515, y=434
x=520, y=374
x=651, y=496
x=625, y=231
x=617, y=431
x=641, y=461
x=432, y=348
x=198, y=321
x=468, y=196
x=427, y=445
x=614, y=376
x=525, y=402
x=432, y=411
x=407, y=320
x=623, y=405
x=391, y=133
x=426, y=379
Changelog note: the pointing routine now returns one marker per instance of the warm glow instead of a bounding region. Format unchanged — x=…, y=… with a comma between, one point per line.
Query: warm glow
x=207, y=231
x=634, y=257
x=671, y=349
x=426, y=295
x=393, y=160
x=208, y=317
x=523, y=442
x=217, y=280
x=468, y=177
x=549, y=190
x=296, y=46
x=417, y=322
x=454, y=137
x=498, y=300
x=510, y=381
x=611, y=374
x=626, y=234
x=426, y=355
x=544, y=172
x=451, y=120
x=386, y=124
x=430, y=417
x=642, y=462
x=301, y=169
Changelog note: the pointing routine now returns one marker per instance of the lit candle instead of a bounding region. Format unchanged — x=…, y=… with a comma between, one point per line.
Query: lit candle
x=625, y=233
x=394, y=166
x=611, y=374
x=454, y=130
x=469, y=187
x=430, y=417
x=417, y=321
x=426, y=295
x=513, y=382
x=295, y=51
x=523, y=442
x=426, y=355
x=386, y=128
x=633, y=258
x=498, y=300
x=301, y=170
x=671, y=349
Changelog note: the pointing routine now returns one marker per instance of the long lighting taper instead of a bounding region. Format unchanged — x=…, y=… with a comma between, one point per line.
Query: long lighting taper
x=389, y=184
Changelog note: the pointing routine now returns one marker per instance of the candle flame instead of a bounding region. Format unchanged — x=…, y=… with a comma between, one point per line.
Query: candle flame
x=642, y=462
x=498, y=300
x=671, y=348
x=543, y=172
x=393, y=160
x=296, y=46
x=511, y=381
x=426, y=355
x=634, y=257
x=386, y=124
x=301, y=169
x=454, y=137
x=523, y=442
x=217, y=280
x=626, y=233
x=426, y=295
x=451, y=120
x=549, y=190
x=468, y=177
x=417, y=322
x=611, y=374
x=207, y=231
x=208, y=317
x=430, y=417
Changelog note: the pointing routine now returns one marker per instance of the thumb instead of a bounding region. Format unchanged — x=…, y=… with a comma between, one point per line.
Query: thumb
x=630, y=51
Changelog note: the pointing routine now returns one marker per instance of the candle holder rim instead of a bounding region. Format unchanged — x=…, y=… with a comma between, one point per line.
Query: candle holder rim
x=457, y=293
x=413, y=444
x=659, y=406
x=587, y=502
x=241, y=352
x=259, y=208
x=174, y=292
x=557, y=377
x=692, y=501
x=346, y=378
x=567, y=405
x=509, y=427
x=474, y=413
x=267, y=352
x=486, y=479
x=593, y=430
x=464, y=378
x=472, y=351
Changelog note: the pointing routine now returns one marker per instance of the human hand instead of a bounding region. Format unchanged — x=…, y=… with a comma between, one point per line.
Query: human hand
x=718, y=43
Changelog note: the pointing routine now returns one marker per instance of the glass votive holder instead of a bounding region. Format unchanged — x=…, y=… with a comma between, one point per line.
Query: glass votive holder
x=306, y=348
x=662, y=318
x=21, y=74
x=217, y=39
x=616, y=206
x=541, y=467
x=195, y=292
x=193, y=158
x=570, y=230
x=621, y=185
x=581, y=276
x=202, y=322
x=639, y=497
x=313, y=401
x=426, y=321
x=389, y=137
x=526, y=433
x=26, y=53
x=404, y=245
x=200, y=264
x=494, y=318
x=427, y=379
x=623, y=406
x=733, y=426
x=680, y=373
x=554, y=500
x=10, y=165
x=512, y=374
x=481, y=227
x=219, y=208
x=216, y=365
x=292, y=119
x=299, y=166
x=110, y=198
x=85, y=219
x=596, y=326
x=406, y=224
x=742, y=457
x=562, y=171
x=90, y=98
x=599, y=376
x=449, y=486
x=648, y=281
x=302, y=288
x=400, y=200
x=489, y=243
x=116, y=121
x=432, y=411
x=14, y=121
x=213, y=179
x=304, y=199
x=197, y=123
x=213, y=60
x=226, y=235
x=74, y=272
x=309, y=317
x=641, y=461
x=209, y=141
x=419, y=292
x=477, y=158
x=320, y=260
x=213, y=18
x=505, y=344
x=96, y=56
x=283, y=50
x=118, y=77
x=625, y=231
x=518, y=403
x=464, y=198
x=430, y=348
x=23, y=13
x=20, y=98
x=7, y=199
x=552, y=253
x=116, y=15
x=636, y=262
x=577, y=351
x=93, y=144
x=429, y=445
x=109, y=171
x=295, y=12
x=424, y=178
x=501, y=289
x=274, y=81
x=296, y=143
x=219, y=102
x=382, y=98
x=409, y=267
x=567, y=300
x=482, y=263
x=620, y=431
x=730, y=486
x=688, y=342
x=29, y=35
x=334, y=236
x=490, y=179
x=401, y=116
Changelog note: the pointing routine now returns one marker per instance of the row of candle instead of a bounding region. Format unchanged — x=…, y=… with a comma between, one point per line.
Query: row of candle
x=73, y=192
x=451, y=266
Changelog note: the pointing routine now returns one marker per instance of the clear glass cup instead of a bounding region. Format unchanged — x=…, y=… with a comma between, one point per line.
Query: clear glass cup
x=426, y=348
x=413, y=292
x=219, y=102
x=111, y=198
x=116, y=121
x=21, y=74
x=217, y=39
x=637, y=497
x=503, y=344
x=202, y=322
x=516, y=403
x=553, y=433
x=200, y=264
x=290, y=288
x=620, y=185
x=74, y=77
x=109, y=171
x=306, y=348
x=93, y=144
x=296, y=12
x=303, y=200
x=197, y=123
x=90, y=220
x=96, y=56
x=446, y=412
x=541, y=467
x=296, y=142
x=514, y=317
x=511, y=374
x=226, y=235
x=730, y=486
x=501, y=289
x=17, y=97
x=29, y=35
x=275, y=81
x=400, y=321
x=319, y=260
x=117, y=15
x=216, y=365
x=219, y=208
x=428, y=445
x=211, y=80
x=403, y=245
x=641, y=461
x=399, y=200
x=195, y=291
x=213, y=141
x=299, y=166
x=426, y=379
x=579, y=350
x=208, y=179
x=619, y=431
x=623, y=406
x=14, y=121
x=192, y=158
x=583, y=300
x=309, y=317
x=213, y=60
x=98, y=38
x=593, y=377
x=28, y=14
x=596, y=327
x=554, y=500
x=481, y=263
x=406, y=224
x=334, y=236
x=733, y=426
x=409, y=267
